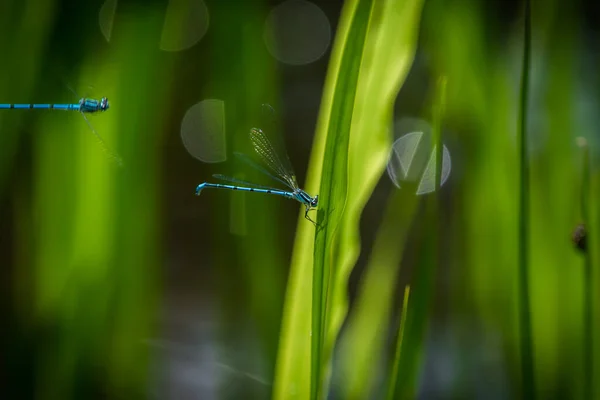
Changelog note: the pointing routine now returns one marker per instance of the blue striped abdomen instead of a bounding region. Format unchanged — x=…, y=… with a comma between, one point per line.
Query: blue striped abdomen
x=201, y=186
x=85, y=106
x=39, y=106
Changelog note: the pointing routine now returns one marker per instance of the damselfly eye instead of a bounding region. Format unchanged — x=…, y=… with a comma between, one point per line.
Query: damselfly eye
x=579, y=237
x=315, y=201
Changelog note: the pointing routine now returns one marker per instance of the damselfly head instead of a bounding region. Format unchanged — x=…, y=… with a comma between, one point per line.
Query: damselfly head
x=104, y=104
x=314, y=202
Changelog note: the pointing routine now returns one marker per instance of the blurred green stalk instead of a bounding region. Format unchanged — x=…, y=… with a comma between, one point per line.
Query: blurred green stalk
x=527, y=363
x=588, y=343
x=393, y=379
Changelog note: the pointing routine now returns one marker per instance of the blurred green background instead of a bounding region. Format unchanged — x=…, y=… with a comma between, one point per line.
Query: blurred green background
x=120, y=283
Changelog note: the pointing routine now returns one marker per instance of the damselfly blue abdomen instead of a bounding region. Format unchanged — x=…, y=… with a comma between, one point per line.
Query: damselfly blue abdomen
x=84, y=106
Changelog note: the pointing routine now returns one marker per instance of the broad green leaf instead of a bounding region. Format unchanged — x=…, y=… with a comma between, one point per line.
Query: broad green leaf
x=372, y=54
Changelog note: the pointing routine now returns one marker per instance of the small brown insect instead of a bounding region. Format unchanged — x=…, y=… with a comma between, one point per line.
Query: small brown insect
x=579, y=237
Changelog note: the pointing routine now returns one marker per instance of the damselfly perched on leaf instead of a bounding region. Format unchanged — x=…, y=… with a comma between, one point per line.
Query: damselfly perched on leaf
x=279, y=165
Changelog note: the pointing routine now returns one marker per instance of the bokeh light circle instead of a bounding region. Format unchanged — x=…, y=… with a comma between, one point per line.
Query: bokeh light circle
x=412, y=159
x=297, y=32
x=185, y=23
x=203, y=131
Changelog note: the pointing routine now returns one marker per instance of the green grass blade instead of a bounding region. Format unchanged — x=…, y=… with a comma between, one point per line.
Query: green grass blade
x=391, y=394
x=527, y=363
x=334, y=190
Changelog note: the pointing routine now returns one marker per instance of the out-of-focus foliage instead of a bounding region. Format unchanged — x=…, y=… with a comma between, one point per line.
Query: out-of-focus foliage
x=120, y=283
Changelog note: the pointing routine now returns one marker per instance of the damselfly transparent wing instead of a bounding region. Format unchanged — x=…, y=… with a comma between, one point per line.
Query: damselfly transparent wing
x=278, y=164
x=247, y=160
x=270, y=150
x=111, y=154
x=242, y=182
x=263, y=147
